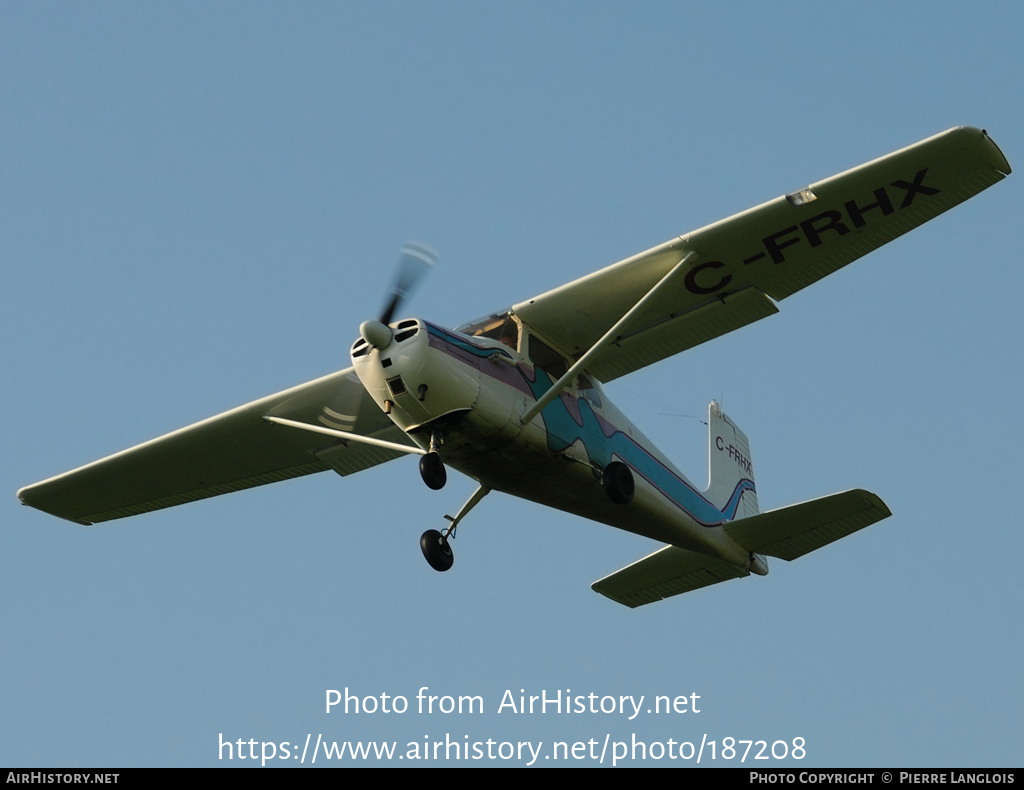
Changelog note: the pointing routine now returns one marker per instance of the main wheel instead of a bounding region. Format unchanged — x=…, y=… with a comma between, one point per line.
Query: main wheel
x=432, y=471
x=436, y=550
x=618, y=483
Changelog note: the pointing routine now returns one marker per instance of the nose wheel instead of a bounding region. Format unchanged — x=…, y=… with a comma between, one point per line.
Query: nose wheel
x=432, y=470
x=432, y=467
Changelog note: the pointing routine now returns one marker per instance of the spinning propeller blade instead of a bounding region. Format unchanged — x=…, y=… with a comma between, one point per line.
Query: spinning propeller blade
x=415, y=260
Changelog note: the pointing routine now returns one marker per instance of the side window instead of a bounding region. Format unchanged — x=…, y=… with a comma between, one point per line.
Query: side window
x=588, y=391
x=509, y=334
x=547, y=359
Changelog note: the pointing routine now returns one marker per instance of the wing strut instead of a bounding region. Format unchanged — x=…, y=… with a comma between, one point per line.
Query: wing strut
x=606, y=339
x=352, y=437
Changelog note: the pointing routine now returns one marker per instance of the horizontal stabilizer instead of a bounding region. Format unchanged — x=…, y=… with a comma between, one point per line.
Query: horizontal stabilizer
x=794, y=531
x=665, y=573
x=787, y=533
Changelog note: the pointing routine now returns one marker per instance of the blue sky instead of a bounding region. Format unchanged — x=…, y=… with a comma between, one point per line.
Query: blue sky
x=200, y=204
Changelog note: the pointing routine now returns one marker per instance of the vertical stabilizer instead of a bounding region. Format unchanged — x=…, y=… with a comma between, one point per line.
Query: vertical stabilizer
x=731, y=478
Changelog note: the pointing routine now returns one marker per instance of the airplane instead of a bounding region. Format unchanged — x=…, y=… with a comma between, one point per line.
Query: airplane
x=515, y=400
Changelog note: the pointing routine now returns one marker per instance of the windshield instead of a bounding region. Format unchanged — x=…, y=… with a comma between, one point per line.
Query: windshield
x=501, y=327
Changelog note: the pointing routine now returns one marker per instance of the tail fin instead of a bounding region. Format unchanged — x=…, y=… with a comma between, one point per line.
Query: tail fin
x=731, y=476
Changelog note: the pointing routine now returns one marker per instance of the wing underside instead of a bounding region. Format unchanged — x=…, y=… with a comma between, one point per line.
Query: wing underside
x=748, y=262
x=235, y=450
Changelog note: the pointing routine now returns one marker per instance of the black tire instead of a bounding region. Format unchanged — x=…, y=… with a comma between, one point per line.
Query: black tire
x=618, y=483
x=436, y=550
x=432, y=471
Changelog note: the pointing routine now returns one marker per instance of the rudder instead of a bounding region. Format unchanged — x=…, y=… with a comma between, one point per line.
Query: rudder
x=730, y=470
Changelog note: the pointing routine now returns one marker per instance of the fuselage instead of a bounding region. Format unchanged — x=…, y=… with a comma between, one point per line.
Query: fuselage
x=468, y=391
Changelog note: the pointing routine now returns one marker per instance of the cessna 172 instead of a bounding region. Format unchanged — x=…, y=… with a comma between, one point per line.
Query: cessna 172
x=514, y=401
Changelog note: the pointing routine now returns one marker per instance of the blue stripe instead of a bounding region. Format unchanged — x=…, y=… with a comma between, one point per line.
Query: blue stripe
x=563, y=430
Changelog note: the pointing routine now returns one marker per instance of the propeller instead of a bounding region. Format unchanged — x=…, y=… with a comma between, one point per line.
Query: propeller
x=414, y=261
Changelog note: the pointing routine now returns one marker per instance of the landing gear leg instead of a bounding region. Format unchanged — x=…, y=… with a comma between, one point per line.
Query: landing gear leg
x=435, y=545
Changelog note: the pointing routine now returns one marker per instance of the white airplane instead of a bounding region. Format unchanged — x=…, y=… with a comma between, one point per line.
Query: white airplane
x=514, y=400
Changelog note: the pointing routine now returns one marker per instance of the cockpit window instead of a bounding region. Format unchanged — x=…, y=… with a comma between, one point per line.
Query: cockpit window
x=502, y=328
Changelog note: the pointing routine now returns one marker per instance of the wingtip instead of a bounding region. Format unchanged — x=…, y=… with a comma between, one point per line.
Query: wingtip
x=22, y=492
x=998, y=158
x=876, y=502
x=25, y=498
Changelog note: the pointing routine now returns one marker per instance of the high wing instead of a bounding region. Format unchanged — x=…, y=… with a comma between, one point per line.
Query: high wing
x=746, y=263
x=232, y=451
x=734, y=271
